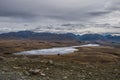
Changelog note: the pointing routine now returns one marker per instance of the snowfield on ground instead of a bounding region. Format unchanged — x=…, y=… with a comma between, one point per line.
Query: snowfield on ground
x=54, y=51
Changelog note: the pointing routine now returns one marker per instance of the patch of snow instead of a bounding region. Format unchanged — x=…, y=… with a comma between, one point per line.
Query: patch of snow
x=90, y=45
x=54, y=51
x=51, y=51
x=87, y=45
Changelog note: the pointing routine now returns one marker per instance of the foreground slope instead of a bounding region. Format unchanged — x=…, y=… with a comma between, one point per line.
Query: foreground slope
x=89, y=63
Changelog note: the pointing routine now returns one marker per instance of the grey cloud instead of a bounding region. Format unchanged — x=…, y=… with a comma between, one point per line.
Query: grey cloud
x=113, y=5
x=67, y=10
x=109, y=7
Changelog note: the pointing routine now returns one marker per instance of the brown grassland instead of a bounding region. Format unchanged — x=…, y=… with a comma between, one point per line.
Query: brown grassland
x=88, y=63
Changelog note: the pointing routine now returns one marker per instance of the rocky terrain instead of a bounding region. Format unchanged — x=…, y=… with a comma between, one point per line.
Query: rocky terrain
x=88, y=63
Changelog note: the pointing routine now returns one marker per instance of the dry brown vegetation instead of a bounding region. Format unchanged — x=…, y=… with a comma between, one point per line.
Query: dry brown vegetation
x=89, y=63
x=12, y=46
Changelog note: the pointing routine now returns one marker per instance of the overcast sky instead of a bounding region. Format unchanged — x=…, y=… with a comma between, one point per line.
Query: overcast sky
x=58, y=11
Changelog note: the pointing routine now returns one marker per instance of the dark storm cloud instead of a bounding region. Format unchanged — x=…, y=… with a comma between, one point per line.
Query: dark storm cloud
x=15, y=14
x=98, y=13
x=68, y=10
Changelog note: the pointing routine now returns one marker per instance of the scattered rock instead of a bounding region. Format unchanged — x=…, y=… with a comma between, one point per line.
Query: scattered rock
x=2, y=72
x=47, y=68
x=116, y=70
x=90, y=73
x=1, y=58
x=42, y=74
x=16, y=67
x=71, y=70
x=50, y=62
x=65, y=77
x=34, y=72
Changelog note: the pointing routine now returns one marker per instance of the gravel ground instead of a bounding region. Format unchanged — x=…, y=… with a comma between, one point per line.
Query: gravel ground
x=47, y=69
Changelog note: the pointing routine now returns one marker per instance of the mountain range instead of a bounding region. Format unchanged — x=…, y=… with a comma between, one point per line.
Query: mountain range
x=61, y=37
x=40, y=36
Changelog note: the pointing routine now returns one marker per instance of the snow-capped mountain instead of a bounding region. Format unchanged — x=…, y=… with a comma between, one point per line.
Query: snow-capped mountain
x=61, y=37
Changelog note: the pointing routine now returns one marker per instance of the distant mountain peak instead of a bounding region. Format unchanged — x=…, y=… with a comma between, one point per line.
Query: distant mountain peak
x=61, y=37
